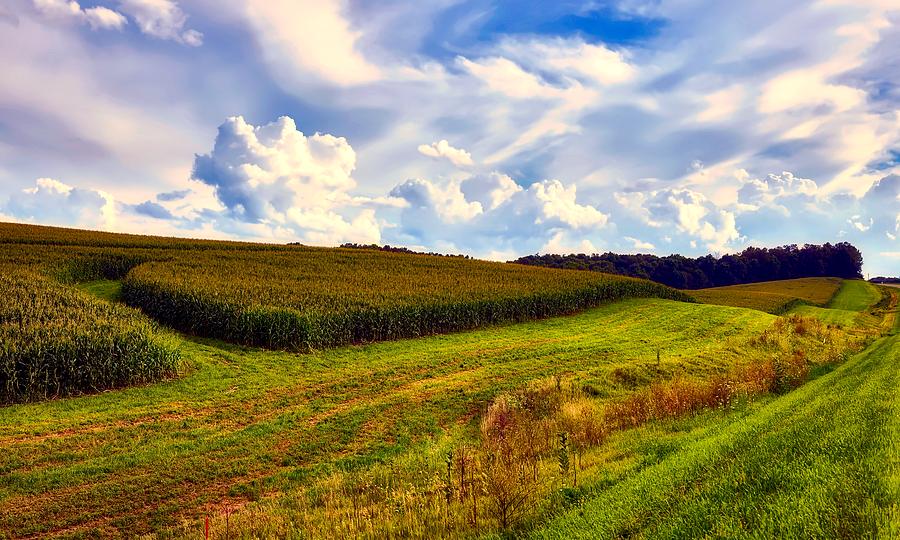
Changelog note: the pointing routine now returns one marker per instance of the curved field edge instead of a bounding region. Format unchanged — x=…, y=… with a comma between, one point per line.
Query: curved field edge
x=821, y=461
x=776, y=297
x=56, y=341
x=857, y=304
x=246, y=422
x=215, y=299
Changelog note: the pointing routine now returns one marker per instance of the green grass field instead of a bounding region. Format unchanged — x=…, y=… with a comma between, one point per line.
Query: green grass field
x=849, y=307
x=245, y=422
x=855, y=295
x=332, y=506
x=820, y=462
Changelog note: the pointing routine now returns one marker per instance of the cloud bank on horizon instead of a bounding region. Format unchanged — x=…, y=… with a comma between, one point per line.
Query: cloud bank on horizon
x=496, y=129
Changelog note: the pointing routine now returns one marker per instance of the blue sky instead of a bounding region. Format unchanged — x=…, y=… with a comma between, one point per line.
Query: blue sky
x=496, y=129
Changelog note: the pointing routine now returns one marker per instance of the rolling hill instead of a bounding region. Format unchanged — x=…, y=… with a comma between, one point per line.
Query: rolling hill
x=519, y=423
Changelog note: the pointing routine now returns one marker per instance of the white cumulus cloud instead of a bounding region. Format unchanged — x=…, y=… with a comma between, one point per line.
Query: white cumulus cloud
x=443, y=149
x=274, y=175
x=688, y=211
x=640, y=244
x=491, y=213
x=772, y=190
x=52, y=202
x=98, y=17
x=859, y=224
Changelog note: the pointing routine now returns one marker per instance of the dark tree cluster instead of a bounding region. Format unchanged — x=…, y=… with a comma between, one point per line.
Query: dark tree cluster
x=749, y=266
x=394, y=249
x=882, y=279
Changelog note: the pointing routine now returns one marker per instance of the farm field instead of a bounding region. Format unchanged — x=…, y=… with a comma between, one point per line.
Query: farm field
x=245, y=422
x=456, y=270
x=772, y=296
x=820, y=462
x=417, y=437
x=55, y=341
x=298, y=298
x=849, y=307
x=311, y=298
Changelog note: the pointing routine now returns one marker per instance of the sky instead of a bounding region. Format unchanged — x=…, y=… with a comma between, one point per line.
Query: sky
x=495, y=129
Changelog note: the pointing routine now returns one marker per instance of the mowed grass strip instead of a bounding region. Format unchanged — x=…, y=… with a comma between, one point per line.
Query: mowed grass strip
x=851, y=306
x=820, y=462
x=246, y=422
x=855, y=295
x=773, y=296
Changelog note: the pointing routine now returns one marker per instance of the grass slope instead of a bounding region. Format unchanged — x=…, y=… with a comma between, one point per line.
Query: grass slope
x=850, y=306
x=772, y=296
x=840, y=317
x=855, y=295
x=245, y=422
x=820, y=462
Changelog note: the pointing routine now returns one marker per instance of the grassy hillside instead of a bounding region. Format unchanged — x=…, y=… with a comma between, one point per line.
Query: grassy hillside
x=855, y=295
x=508, y=475
x=244, y=423
x=472, y=433
x=772, y=296
x=820, y=462
x=852, y=306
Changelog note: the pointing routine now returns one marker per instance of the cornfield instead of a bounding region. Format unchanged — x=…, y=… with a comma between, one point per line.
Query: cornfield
x=56, y=341
x=312, y=298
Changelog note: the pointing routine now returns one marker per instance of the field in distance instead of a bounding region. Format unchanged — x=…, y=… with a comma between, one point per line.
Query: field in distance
x=303, y=298
x=772, y=296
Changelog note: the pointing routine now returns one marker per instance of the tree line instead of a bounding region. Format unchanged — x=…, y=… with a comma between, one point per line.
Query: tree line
x=749, y=266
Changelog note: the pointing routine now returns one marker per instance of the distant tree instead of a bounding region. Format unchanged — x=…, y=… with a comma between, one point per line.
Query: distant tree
x=751, y=265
